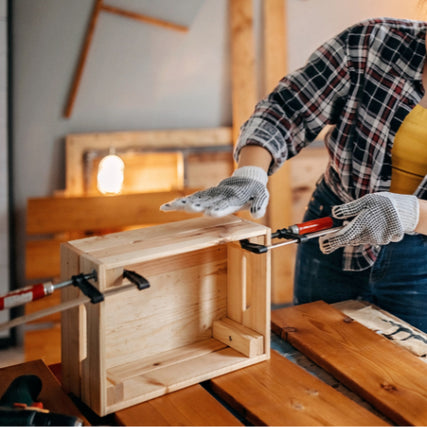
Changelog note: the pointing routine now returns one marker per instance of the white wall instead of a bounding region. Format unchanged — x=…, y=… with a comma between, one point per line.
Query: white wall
x=138, y=76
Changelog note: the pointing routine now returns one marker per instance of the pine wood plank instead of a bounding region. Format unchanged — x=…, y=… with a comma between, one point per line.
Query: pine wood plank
x=167, y=379
x=151, y=243
x=278, y=392
x=72, y=322
x=279, y=212
x=64, y=214
x=192, y=406
x=389, y=377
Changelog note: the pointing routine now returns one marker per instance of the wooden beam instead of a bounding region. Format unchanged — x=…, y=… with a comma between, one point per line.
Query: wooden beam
x=279, y=212
x=65, y=214
x=243, y=75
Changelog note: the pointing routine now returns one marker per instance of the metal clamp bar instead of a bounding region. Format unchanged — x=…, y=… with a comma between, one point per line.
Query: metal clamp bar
x=260, y=249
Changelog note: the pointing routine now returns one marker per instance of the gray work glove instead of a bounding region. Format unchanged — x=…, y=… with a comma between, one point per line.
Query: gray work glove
x=379, y=218
x=245, y=189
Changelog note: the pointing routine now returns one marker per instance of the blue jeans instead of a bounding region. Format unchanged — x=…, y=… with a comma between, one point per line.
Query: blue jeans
x=397, y=282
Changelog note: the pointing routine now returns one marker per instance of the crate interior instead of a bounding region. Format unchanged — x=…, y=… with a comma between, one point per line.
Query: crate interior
x=199, y=318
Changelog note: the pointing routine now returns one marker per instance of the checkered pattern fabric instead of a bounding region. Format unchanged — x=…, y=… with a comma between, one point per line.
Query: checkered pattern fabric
x=363, y=83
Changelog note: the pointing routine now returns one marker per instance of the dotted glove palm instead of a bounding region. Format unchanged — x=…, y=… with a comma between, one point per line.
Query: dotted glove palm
x=245, y=189
x=378, y=219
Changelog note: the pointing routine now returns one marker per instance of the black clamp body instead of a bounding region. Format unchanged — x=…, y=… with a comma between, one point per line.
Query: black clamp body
x=80, y=280
x=283, y=233
x=140, y=281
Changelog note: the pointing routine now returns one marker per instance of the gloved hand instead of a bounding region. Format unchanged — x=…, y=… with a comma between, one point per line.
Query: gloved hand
x=245, y=189
x=379, y=218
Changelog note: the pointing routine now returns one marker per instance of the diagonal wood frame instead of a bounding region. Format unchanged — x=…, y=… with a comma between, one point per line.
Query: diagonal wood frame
x=98, y=8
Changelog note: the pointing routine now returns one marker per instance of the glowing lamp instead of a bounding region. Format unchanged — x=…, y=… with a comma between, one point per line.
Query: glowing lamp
x=110, y=174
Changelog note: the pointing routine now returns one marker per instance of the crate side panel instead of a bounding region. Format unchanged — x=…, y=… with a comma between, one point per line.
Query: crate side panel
x=73, y=325
x=93, y=365
x=165, y=240
x=187, y=293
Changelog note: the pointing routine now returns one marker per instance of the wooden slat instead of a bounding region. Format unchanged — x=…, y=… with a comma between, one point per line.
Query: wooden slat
x=167, y=240
x=278, y=392
x=60, y=214
x=192, y=406
x=389, y=377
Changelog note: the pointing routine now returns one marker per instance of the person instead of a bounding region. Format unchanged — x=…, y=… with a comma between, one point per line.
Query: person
x=368, y=84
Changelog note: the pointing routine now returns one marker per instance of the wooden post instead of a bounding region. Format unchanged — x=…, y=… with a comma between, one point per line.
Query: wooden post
x=244, y=91
x=279, y=213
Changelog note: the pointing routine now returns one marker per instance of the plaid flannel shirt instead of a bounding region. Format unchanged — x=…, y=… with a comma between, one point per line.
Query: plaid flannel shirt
x=363, y=82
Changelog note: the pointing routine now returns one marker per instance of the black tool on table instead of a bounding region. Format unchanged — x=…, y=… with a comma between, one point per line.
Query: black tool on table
x=19, y=406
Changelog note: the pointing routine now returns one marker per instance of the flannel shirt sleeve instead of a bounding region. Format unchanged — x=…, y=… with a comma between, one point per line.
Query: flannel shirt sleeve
x=302, y=104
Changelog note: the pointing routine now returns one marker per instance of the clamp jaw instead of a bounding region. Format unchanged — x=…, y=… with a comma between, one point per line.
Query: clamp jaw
x=82, y=282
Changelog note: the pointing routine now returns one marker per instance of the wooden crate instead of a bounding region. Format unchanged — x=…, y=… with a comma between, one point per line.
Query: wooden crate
x=206, y=312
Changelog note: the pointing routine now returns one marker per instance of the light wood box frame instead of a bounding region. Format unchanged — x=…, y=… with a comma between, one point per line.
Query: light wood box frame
x=206, y=313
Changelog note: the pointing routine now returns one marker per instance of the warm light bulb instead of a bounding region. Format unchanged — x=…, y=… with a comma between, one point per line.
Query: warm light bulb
x=110, y=174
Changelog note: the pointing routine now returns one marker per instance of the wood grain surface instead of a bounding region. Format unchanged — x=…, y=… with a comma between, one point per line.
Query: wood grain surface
x=387, y=376
x=278, y=392
x=192, y=406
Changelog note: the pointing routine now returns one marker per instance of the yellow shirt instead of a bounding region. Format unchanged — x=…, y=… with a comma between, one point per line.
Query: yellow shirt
x=409, y=152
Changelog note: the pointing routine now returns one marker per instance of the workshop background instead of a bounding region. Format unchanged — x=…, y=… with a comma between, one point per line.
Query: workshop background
x=137, y=77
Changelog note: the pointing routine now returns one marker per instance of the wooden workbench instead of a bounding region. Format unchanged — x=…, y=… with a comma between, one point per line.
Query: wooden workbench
x=326, y=368
x=374, y=380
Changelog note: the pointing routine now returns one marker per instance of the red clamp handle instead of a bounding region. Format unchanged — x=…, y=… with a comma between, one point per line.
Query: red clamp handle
x=312, y=226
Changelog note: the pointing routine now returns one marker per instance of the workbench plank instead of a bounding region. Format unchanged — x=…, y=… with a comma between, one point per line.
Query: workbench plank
x=192, y=406
x=389, y=377
x=278, y=392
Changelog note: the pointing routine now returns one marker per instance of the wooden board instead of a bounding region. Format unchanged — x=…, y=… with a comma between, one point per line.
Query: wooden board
x=279, y=212
x=389, y=377
x=192, y=406
x=278, y=392
x=151, y=243
x=64, y=214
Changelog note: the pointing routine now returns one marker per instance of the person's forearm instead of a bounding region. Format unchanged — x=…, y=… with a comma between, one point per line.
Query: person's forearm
x=422, y=221
x=255, y=155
